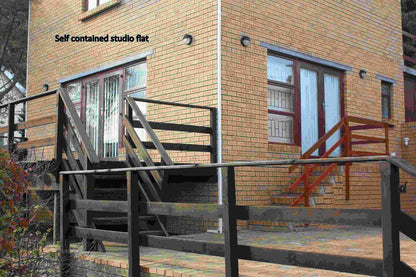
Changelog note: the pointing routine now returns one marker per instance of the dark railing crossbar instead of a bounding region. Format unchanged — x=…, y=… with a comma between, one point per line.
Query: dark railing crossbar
x=171, y=103
x=30, y=98
x=283, y=162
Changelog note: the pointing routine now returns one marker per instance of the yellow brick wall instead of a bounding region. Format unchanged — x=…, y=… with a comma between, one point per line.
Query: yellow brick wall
x=176, y=72
x=409, y=153
x=361, y=35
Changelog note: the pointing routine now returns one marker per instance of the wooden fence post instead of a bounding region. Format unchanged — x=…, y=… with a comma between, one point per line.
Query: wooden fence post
x=56, y=217
x=230, y=222
x=133, y=223
x=390, y=179
x=11, y=128
x=347, y=151
x=60, y=119
x=64, y=226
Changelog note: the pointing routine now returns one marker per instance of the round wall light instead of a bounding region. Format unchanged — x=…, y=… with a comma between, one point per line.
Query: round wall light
x=45, y=87
x=406, y=141
x=187, y=39
x=245, y=41
x=362, y=73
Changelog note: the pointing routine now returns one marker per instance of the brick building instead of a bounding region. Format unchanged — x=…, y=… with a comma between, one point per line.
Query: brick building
x=280, y=73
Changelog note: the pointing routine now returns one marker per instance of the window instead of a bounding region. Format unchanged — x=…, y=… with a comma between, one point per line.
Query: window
x=410, y=98
x=135, y=86
x=281, y=99
x=74, y=92
x=97, y=99
x=386, y=100
x=304, y=102
x=91, y=4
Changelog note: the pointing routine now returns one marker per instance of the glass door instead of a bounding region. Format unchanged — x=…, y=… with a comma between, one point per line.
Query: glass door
x=320, y=106
x=309, y=109
x=332, y=110
x=111, y=120
x=102, y=112
x=92, y=112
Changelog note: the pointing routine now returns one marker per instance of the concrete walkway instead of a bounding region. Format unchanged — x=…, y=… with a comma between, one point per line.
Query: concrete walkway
x=359, y=242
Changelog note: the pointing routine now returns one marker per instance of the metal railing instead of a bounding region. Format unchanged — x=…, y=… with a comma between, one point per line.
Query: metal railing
x=392, y=219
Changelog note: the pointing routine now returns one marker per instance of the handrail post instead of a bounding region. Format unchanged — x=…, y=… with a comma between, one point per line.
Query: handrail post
x=347, y=154
x=213, y=137
x=133, y=223
x=230, y=222
x=306, y=184
x=64, y=226
x=386, y=137
x=11, y=128
x=60, y=113
x=390, y=178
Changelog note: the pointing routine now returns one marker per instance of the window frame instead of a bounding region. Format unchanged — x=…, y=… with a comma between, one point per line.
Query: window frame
x=86, y=4
x=321, y=70
x=410, y=100
x=100, y=77
x=293, y=87
x=388, y=97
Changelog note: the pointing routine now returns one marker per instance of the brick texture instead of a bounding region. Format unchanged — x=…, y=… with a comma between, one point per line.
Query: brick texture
x=359, y=34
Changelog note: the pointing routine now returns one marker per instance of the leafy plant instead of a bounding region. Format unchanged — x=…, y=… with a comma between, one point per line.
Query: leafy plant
x=22, y=243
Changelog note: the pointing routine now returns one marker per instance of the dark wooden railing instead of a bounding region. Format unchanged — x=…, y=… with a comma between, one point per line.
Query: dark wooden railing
x=73, y=141
x=165, y=126
x=12, y=126
x=347, y=125
x=392, y=219
x=409, y=49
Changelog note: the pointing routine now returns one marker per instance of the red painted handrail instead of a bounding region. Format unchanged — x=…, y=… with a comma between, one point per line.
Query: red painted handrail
x=346, y=140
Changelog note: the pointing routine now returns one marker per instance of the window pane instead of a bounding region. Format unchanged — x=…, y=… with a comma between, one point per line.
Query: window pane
x=92, y=112
x=385, y=89
x=280, y=128
x=104, y=1
x=385, y=107
x=410, y=99
x=332, y=111
x=74, y=92
x=92, y=4
x=136, y=76
x=280, y=99
x=385, y=99
x=279, y=69
x=111, y=116
x=142, y=106
x=309, y=109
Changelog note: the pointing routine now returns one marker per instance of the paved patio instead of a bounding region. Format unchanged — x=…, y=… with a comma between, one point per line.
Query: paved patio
x=348, y=241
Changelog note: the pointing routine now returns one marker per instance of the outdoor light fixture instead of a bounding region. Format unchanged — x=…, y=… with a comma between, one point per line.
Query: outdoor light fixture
x=406, y=141
x=363, y=73
x=245, y=41
x=187, y=39
x=45, y=87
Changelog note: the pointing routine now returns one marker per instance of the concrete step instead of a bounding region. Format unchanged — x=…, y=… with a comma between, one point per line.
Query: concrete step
x=288, y=199
x=321, y=189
